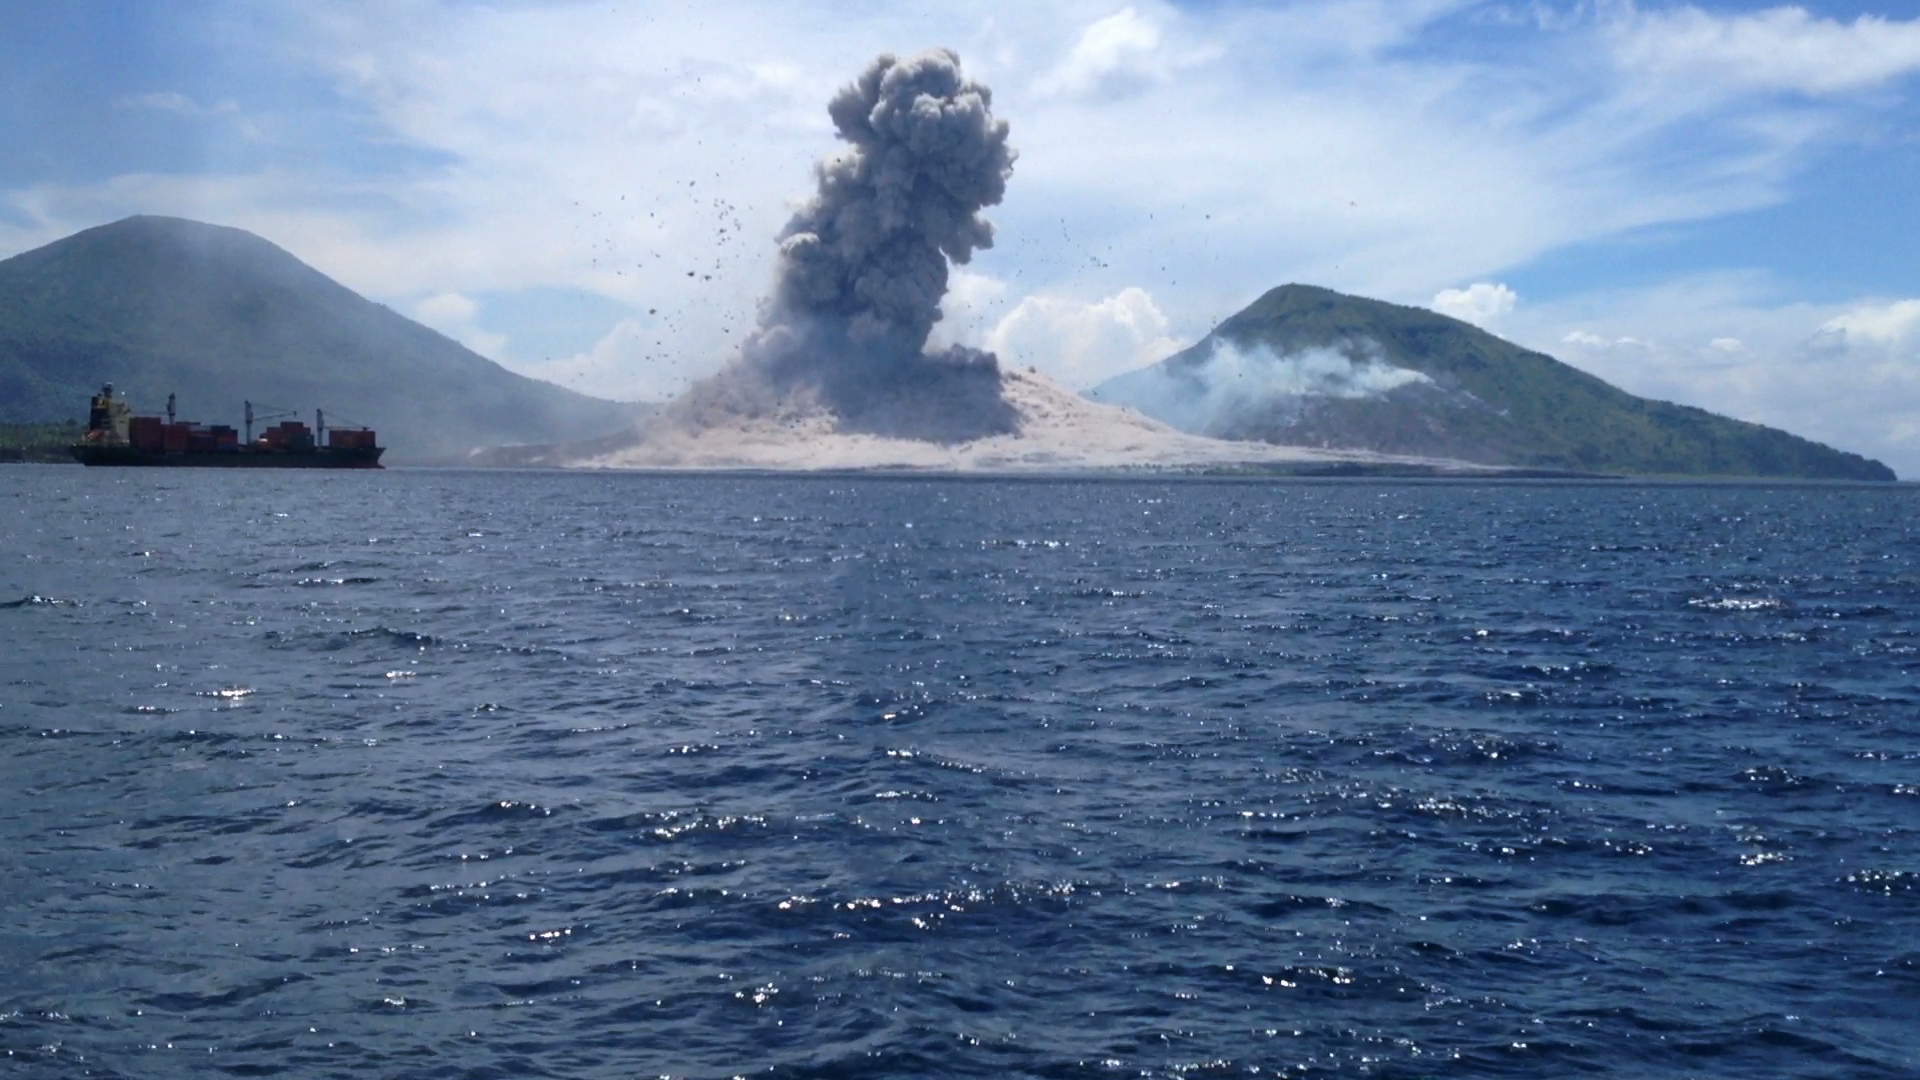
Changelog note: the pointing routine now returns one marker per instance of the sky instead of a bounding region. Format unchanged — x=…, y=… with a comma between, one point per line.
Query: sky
x=1711, y=203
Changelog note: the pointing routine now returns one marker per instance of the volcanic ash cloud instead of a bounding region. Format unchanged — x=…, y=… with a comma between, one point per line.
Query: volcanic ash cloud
x=863, y=267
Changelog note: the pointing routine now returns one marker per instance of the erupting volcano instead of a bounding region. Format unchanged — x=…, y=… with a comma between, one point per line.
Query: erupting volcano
x=837, y=374
x=863, y=267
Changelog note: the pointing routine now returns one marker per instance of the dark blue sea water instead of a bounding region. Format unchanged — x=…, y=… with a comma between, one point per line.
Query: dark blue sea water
x=451, y=774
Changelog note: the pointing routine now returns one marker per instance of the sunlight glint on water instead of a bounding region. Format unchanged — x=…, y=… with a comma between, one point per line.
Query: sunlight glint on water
x=471, y=774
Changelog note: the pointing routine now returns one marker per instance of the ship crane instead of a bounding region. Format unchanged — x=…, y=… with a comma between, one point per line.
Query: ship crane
x=268, y=412
x=342, y=424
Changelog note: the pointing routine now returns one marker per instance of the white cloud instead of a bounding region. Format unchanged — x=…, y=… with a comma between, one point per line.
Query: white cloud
x=626, y=364
x=445, y=308
x=1778, y=49
x=1081, y=344
x=1116, y=53
x=1880, y=323
x=1584, y=339
x=1483, y=303
x=452, y=314
x=974, y=303
x=1378, y=168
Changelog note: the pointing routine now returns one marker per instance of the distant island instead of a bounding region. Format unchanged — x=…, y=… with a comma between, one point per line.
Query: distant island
x=219, y=316
x=1309, y=366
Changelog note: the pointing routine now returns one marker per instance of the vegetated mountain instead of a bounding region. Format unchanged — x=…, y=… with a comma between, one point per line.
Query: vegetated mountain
x=219, y=317
x=1309, y=366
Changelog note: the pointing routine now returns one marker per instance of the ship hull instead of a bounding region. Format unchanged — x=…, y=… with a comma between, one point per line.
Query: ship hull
x=359, y=457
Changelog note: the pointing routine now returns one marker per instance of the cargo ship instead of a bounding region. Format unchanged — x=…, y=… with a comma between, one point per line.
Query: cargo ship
x=117, y=437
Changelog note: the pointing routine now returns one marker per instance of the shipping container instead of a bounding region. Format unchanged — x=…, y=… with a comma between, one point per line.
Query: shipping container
x=144, y=432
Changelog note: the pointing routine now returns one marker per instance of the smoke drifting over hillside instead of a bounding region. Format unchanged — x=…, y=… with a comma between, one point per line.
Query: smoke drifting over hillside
x=1217, y=394
x=863, y=266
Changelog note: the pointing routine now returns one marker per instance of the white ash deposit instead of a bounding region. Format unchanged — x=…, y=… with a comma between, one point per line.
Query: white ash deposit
x=1058, y=431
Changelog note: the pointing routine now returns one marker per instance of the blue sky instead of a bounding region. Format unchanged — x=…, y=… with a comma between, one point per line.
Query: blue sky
x=1712, y=203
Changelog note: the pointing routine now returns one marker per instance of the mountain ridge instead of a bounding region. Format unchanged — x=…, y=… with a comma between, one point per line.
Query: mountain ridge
x=218, y=315
x=1406, y=380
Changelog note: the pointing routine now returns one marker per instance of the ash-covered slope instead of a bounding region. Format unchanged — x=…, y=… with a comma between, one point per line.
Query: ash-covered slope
x=219, y=316
x=1312, y=367
x=1055, y=431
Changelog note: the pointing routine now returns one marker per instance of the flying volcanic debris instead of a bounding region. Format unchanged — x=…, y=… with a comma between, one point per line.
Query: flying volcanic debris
x=863, y=264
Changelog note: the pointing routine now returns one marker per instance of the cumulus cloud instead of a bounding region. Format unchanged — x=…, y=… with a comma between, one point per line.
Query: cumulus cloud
x=971, y=307
x=453, y=315
x=1482, y=303
x=1586, y=339
x=1084, y=343
x=1886, y=324
x=1778, y=49
x=1119, y=52
x=625, y=364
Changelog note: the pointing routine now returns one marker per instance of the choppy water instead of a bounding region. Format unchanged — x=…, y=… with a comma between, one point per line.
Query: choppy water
x=426, y=774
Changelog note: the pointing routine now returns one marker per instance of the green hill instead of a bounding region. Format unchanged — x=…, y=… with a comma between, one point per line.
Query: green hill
x=219, y=316
x=1309, y=366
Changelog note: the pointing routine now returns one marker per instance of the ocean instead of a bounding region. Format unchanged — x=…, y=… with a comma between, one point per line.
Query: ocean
x=525, y=774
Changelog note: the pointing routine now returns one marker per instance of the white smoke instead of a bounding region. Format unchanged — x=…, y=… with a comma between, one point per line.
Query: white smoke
x=1233, y=384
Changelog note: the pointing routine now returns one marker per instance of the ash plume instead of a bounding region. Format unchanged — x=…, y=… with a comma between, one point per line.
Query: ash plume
x=863, y=263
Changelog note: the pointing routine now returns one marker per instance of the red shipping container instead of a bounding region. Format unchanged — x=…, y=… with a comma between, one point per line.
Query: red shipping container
x=144, y=432
x=173, y=437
